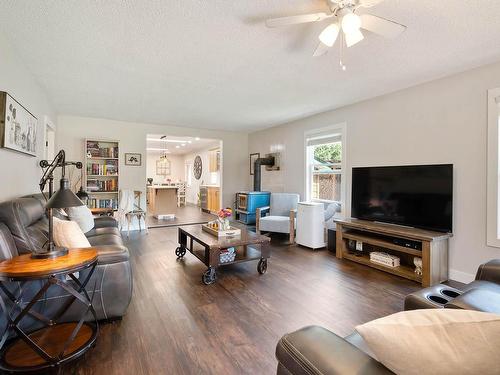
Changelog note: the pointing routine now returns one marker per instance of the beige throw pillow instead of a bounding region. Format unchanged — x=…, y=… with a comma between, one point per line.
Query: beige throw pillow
x=82, y=216
x=69, y=234
x=436, y=341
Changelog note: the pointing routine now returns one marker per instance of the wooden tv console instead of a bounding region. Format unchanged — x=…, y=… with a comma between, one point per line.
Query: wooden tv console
x=380, y=237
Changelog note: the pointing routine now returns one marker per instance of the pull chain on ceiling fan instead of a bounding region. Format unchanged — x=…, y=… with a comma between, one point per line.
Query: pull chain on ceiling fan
x=347, y=23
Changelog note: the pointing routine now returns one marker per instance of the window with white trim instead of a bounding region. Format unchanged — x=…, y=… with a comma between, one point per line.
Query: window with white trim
x=493, y=181
x=325, y=179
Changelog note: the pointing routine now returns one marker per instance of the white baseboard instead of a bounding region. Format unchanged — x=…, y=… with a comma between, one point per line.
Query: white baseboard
x=460, y=276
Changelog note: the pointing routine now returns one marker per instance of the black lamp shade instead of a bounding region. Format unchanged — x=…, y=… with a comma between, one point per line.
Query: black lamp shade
x=82, y=194
x=64, y=197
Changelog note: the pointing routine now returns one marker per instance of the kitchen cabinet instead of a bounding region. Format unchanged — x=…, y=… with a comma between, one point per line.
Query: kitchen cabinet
x=212, y=201
x=214, y=160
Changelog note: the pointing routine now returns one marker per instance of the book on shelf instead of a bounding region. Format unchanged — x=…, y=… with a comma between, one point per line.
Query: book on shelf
x=384, y=259
x=94, y=185
x=110, y=168
x=95, y=150
x=102, y=203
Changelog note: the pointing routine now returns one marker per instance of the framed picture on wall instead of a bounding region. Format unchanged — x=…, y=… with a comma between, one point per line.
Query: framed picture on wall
x=253, y=157
x=134, y=159
x=18, y=127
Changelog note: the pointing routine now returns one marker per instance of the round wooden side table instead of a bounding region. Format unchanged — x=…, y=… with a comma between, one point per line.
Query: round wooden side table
x=55, y=343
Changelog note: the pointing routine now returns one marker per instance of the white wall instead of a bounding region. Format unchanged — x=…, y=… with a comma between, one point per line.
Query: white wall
x=176, y=167
x=206, y=176
x=20, y=172
x=132, y=136
x=443, y=121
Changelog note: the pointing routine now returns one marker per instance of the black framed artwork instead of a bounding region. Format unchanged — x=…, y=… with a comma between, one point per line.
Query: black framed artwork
x=253, y=157
x=134, y=159
x=18, y=127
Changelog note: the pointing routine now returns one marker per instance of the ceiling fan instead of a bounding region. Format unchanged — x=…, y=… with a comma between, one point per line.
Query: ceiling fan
x=346, y=23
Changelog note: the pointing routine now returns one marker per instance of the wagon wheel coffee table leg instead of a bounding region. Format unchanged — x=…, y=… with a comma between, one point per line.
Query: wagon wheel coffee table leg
x=209, y=276
x=262, y=266
x=180, y=251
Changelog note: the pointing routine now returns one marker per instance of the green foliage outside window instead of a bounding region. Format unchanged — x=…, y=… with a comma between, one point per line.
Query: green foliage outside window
x=330, y=153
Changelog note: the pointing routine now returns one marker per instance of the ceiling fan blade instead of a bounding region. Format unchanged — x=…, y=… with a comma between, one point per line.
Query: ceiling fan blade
x=368, y=3
x=381, y=26
x=353, y=38
x=294, y=20
x=320, y=50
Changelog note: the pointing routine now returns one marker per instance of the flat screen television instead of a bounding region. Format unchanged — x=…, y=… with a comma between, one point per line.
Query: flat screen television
x=419, y=196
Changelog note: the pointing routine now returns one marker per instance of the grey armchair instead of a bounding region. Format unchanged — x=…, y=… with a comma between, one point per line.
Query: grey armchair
x=279, y=215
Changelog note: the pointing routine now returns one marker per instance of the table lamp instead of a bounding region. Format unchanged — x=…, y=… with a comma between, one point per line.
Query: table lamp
x=62, y=198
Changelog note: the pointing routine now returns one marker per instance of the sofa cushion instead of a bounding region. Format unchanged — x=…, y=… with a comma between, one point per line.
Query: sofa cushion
x=481, y=284
x=105, y=222
x=282, y=203
x=27, y=222
x=69, y=234
x=315, y=350
x=8, y=248
x=105, y=239
x=108, y=254
x=476, y=299
x=279, y=224
x=82, y=216
x=445, y=341
x=101, y=231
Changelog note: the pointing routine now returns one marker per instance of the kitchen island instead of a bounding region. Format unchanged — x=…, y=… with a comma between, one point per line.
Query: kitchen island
x=162, y=201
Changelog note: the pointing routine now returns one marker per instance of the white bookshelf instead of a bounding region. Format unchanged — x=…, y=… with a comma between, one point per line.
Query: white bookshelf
x=102, y=173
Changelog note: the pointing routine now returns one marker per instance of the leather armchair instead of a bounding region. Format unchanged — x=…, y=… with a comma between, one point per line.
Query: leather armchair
x=279, y=215
x=24, y=228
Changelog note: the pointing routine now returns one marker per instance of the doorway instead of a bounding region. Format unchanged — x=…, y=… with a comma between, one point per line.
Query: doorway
x=50, y=139
x=184, y=176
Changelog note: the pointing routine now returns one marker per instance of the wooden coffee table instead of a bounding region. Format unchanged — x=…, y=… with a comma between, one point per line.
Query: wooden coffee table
x=207, y=248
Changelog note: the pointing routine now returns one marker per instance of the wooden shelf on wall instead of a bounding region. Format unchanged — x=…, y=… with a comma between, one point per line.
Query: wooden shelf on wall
x=433, y=248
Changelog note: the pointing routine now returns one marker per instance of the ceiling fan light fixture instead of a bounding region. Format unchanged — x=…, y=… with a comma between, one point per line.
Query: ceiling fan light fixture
x=353, y=38
x=329, y=35
x=351, y=23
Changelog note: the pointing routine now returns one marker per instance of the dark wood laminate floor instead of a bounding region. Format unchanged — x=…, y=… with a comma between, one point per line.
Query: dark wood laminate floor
x=177, y=325
x=189, y=214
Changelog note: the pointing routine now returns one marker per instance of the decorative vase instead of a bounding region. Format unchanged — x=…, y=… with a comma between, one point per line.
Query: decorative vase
x=223, y=223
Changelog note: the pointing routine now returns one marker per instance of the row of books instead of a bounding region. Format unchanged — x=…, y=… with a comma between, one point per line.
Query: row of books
x=103, y=203
x=108, y=169
x=102, y=185
x=94, y=150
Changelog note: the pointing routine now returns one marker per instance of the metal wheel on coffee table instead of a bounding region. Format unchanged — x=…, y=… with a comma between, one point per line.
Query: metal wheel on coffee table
x=209, y=276
x=180, y=252
x=262, y=266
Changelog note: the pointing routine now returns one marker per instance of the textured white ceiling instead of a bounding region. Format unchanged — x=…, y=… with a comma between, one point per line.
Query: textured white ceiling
x=213, y=64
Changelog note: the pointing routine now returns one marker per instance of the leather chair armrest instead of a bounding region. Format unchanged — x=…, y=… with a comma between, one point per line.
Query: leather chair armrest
x=489, y=271
x=476, y=299
x=109, y=254
x=315, y=350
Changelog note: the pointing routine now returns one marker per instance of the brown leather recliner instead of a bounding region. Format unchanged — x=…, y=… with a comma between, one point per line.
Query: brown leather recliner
x=482, y=294
x=316, y=351
x=24, y=228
